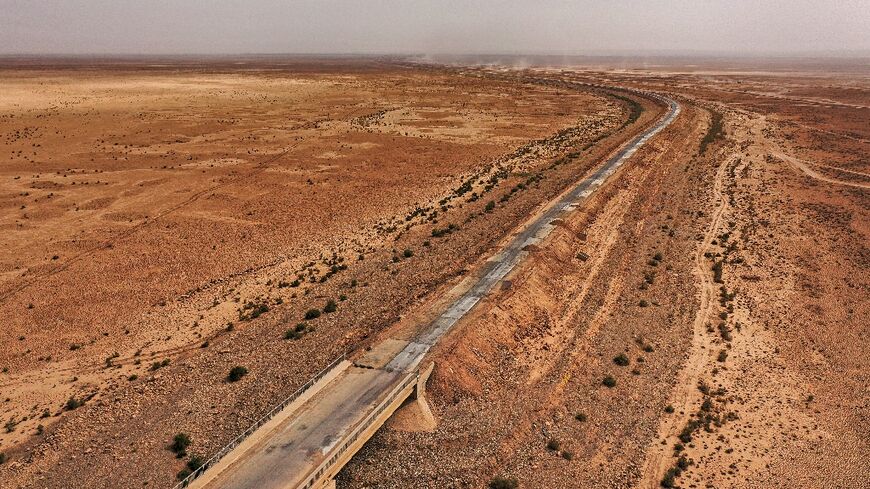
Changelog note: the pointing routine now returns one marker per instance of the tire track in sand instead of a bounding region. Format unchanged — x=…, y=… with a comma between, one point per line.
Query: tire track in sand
x=685, y=393
x=808, y=171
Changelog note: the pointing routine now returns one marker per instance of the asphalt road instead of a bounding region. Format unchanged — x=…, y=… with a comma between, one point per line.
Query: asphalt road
x=296, y=447
x=286, y=456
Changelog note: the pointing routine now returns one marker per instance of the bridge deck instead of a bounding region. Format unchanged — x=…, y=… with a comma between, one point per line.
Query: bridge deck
x=284, y=457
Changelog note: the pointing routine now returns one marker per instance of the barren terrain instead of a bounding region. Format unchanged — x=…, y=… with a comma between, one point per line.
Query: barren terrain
x=165, y=221
x=722, y=287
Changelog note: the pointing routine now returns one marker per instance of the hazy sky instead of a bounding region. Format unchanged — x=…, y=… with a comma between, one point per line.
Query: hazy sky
x=424, y=26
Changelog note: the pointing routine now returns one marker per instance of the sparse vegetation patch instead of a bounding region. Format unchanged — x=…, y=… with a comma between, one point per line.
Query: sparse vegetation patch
x=236, y=373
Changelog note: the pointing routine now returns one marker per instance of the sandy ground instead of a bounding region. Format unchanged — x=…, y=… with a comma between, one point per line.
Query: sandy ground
x=753, y=378
x=218, y=208
x=147, y=208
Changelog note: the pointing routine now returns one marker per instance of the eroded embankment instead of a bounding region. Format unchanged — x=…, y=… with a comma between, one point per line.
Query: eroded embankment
x=520, y=390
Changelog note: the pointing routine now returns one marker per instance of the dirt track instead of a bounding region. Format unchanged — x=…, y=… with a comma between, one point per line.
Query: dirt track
x=685, y=395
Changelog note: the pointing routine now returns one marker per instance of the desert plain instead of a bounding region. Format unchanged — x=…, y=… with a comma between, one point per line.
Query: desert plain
x=700, y=322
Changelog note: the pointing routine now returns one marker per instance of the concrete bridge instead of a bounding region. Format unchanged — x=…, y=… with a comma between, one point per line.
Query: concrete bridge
x=412, y=390
x=306, y=442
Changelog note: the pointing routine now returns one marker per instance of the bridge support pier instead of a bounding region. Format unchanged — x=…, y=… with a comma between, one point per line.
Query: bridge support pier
x=415, y=415
x=426, y=419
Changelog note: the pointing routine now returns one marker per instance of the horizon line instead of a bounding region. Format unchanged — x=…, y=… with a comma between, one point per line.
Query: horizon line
x=859, y=53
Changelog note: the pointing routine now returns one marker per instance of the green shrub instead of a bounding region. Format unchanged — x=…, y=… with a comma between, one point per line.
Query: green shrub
x=437, y=233
x=669, y=479
x=683, y=463
x=717, y=272
x=567, y=455
x=312, y=314
x=194, y=462
x=621, y=360
x=580, y=417
x=73, y=403
x=330, y=306
x=609, y=381
x=686, y=435
x=236, y=373
x=179, y=444
x=503, y=483
x=724, y=332
x=408, y=253
x=643, y=303
x=490, y=206
x=159, y=365
x=714, y=132
x=553, y=444
x=292, y=334
x=297, y=332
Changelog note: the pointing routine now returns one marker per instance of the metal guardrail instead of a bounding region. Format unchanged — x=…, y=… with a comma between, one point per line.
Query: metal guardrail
x=411, y=379
x=258, y=423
